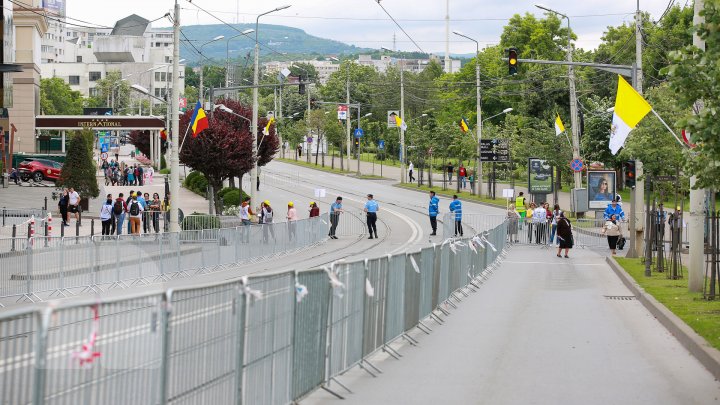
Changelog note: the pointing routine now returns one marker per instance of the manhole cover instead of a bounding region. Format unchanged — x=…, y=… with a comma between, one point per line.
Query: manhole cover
x=620, y=297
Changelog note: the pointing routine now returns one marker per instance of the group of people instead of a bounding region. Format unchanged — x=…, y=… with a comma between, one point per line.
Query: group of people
x=141, y=211
x=121, y=174
x=540, y=219
x=455, y=208
x=69, y=203
x=463, y=175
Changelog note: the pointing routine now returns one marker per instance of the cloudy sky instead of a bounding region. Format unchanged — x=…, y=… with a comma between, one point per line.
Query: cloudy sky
x=363, y=22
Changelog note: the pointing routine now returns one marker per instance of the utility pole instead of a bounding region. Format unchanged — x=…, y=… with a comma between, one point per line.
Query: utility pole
x=175, y=107
x=448, y=66
x=402, y=116
x=637, y=195
x=697, y=197
x=347, y=121
x=573, y=110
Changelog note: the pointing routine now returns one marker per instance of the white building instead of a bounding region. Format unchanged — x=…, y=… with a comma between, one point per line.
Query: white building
x=324, y=68
x=408, y=65
x=82, y=56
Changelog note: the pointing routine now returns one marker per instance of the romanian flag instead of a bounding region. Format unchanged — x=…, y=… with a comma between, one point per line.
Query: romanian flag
x=630, y=108
x=199, y=121
x=266, y=131
x=464, y=124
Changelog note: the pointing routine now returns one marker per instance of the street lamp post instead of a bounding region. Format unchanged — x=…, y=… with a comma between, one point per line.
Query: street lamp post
x=217, y=38
x=478, y=106
x=256, y=76
x=175, y=128
x=573, y=102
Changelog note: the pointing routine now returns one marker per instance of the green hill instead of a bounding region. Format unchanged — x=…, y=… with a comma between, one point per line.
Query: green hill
x=278, y=38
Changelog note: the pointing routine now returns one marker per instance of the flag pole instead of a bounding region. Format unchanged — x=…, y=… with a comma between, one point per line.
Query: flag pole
x=184, y=136
x=668, y=127
x=568, y=139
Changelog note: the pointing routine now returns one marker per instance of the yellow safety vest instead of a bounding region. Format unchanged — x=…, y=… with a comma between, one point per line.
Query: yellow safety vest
x=520, y=204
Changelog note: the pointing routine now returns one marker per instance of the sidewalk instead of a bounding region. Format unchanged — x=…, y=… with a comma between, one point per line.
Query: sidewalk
x=542, y=330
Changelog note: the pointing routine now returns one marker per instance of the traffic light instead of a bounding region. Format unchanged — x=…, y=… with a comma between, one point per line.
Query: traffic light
x=629, y=172
x=357, y=142
x=512, y=61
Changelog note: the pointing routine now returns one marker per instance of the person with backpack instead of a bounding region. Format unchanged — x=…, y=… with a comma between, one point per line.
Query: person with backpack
x=266, y=219
x=127, y=206
x=135, y=209
x=119, y=210
x=106, y=215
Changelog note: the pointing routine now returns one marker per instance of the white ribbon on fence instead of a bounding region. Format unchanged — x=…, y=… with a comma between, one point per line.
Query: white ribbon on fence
x=254, y=294
x=369, y=290
x=415, y=265
x=335, y=283
x=300, y=292
x=87, y=353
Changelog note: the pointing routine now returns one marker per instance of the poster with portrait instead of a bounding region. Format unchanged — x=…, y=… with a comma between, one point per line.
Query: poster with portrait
x=540, y=176
x=601, y=189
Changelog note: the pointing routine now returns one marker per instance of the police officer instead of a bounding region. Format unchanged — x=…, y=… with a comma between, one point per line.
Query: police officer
x=433, y=211
x=371, y=209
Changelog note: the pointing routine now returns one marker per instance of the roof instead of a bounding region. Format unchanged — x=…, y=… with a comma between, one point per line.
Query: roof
x=133, y=25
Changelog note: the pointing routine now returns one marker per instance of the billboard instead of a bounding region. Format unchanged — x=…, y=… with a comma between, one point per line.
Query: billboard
x=601, y=188
x=391, y=121
x=56, y=7
x=540, y=176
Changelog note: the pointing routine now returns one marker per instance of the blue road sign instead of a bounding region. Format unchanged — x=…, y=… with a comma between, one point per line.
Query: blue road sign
x=381, y=144
x=104, y=147
x=359, y=133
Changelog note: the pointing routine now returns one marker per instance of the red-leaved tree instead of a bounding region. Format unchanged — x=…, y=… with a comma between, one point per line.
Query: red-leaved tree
x=224, y=150
x=141, y=140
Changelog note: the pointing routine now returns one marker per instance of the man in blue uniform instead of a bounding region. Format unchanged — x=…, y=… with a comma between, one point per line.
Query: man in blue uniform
x=614, y=209
x=335, y=210
x=456, y=207
x=371, y=209
x=433, y=211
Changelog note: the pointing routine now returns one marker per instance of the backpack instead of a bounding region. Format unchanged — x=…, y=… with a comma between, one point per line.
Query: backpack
x=118, y=207
x=134, y=208
x=268, y=216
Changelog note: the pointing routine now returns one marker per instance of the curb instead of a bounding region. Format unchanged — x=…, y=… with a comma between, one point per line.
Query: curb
x=398, y=185
x=707, y=355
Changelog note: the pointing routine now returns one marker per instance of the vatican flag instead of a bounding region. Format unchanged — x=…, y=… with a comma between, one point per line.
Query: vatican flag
x=630, y=108
x=559, y=127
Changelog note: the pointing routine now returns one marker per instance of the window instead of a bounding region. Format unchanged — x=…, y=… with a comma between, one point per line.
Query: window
x=157, y=44
x=95, y=76
x=74, y=80
x=94, y=92
x=78, y=59
x=160, y=92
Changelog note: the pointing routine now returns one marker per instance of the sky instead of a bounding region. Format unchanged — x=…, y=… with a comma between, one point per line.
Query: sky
x=363, y=22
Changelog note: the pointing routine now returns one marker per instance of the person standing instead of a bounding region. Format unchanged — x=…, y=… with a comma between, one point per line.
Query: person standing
x=450, y=169
x=147, y=215
x=245, y=215
x=135, y=210
x=462, y=174
x=106, y=215
x=335, y=210
x=314, y=210
x=433, y=211
x=119, y=211
x=291, y=218
x=74, y=203
x=611, y=229
x=140, y=176
x=456, y=207
x=127, y=205
x=155, y=206
x=411, y=167
x=266, y=219
x=520, y=207
x=539, y=223
x=63, y=206
x=371, y=209
x=564, y=234
x=614, y=208
x=555, y=216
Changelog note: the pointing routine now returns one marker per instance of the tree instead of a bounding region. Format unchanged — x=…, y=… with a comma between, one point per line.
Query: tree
x=112, y=92
x=141, y=140
x=693, y=79
x=224, y=150
x=78, y=171
x=57, y=98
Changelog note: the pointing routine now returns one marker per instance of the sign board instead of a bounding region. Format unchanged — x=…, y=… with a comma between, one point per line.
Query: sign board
x=508, y=193
x=577, y=165
x=391, y=122
x=601, y=188
x=359, y=133
x=309, y=139
x=540, y=176
x=342, y=112
x=381, y=144
x=664, y=178
x=104, y=147
x=183, y=102
x=320, y=193
x=104, y=156
x=495, y=150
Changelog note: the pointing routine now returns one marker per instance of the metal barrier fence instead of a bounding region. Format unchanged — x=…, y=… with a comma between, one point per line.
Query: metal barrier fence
x=270, y=339
x=39, y=268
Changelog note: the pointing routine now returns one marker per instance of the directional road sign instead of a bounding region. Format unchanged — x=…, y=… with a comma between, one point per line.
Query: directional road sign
x=359, y=133
x=381, y=144
x=494, y=150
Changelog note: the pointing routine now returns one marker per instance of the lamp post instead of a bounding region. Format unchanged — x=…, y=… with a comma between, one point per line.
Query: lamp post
x=573, y=102
x=256, y=76
x=175, y=129
x=200, y=93
x=402, y=116
x=227, y=54
x=359, y=155
x=478, y=106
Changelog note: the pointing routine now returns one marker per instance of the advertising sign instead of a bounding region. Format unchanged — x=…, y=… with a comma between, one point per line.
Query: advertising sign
x=391, y=121
x=540, y=176
x=342, y=112
x=601, y=188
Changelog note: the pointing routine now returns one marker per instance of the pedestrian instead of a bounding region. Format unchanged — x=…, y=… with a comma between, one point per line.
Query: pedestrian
x=371, y=209
x=614, y=208
x=74, y=204
x=291, y=218
x=63, y=206
x=135, y=209
x=539, y=223
x=335, y=210
x=433, y=211
x=106, y=215
x=117, y=157
x=462, y=175
x=520, y=207
x=147, y=215
x=150, y=174
x=15, y=176
x=450, y=169
x=555, y=216
x=130, y=175
x=611, y=229
x=314, y=210
x=456, y=207
x=127, y=204
x=411, y=167
x=564, y=234
x=155, y=205
x=140, y=176
x=136, y=172
x=266, y=219
x=165, y=208
x=513, y=219
x=245, y=216
x=119, y=210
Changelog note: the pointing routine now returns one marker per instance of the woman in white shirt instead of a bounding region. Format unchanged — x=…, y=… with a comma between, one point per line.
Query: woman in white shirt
x=612, y=230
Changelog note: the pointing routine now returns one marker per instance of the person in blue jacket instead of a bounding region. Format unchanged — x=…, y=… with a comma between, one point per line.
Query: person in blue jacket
x=456, y=207
x=433, y=211
x=614, y=209
x=371, y=209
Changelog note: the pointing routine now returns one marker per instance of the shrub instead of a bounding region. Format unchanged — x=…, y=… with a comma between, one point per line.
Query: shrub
x=165, y=171
x=232, y=197
x=198, y=221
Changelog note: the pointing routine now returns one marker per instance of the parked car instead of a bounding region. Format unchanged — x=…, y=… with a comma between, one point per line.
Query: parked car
x=39, y=169
x=542, y=176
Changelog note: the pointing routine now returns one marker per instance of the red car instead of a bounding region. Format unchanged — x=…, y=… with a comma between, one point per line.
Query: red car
x=39, y=170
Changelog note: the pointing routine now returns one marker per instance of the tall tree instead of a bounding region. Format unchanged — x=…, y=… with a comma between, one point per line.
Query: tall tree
x=79, y=169
x=112, y=92
x=57, y=98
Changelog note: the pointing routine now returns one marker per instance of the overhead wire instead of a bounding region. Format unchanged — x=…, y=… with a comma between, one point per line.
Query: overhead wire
x=399, y=26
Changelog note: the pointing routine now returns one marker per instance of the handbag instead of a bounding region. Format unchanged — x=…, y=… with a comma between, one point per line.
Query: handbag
x=621, y=243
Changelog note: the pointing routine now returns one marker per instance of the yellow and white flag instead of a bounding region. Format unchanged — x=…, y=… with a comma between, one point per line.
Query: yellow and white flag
x=630, y=108
x=559, y=127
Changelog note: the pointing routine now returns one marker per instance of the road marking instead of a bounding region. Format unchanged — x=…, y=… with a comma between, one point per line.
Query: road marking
x=555, y=263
